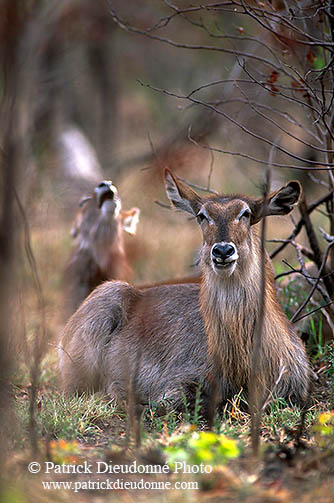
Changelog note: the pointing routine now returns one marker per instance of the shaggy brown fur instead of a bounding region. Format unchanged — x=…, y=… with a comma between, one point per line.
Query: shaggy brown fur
x=171, y=337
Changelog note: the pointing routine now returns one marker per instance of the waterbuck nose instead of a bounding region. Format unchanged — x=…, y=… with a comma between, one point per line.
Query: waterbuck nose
x=222, y=252
x=105, y=190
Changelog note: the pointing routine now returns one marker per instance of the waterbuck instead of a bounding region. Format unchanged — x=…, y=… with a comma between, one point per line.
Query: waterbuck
x=169, y=338
x=98, y=254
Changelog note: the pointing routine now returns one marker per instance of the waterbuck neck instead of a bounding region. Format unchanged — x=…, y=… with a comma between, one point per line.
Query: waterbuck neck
x=230, y=308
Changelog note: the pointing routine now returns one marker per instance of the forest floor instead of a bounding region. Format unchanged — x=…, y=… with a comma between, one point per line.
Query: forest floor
x=90, y=437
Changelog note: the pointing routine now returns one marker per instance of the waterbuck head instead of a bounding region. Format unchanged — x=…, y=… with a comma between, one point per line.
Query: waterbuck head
x=103, y=207
x=226, y=221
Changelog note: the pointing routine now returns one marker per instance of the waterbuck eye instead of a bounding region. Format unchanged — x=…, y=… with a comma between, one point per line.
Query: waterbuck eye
x=201, y=217
x=246, y=214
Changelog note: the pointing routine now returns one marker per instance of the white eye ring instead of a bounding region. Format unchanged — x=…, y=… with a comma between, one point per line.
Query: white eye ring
x=244, y=213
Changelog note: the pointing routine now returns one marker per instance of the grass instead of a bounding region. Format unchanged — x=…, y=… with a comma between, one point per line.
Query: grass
x=92, y=417
x=91, y=426
x=76, y=417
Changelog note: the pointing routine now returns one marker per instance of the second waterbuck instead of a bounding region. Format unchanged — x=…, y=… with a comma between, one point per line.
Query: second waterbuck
x=98, y=253
x=168, y=339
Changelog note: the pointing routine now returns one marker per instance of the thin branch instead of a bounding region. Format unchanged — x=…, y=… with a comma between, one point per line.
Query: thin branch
x=281, y=20
x=255, y=390
x=40, y=337
x=327, y=237
x=271, y=397
x=317, y=164
x=162, y=205
x=210, y=169
x=298, y=227
x=194, y=47
x=255, y=159
x=199, y=187
x=312, y=312
x=303, y=305
x=62, y=349
x=278, y=126
x=314, y=244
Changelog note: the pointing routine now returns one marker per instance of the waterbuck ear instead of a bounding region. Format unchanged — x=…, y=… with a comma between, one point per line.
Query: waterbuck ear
x=280, y=202
x=283, y=200
x=130, y=220
x=181, y=196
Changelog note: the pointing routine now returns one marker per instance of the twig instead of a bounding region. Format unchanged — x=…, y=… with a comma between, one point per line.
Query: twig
x=56, y=346
x=195, y=47
x=255, y=390
x=315, y=179
x=199, y=187
x=40, y=336
x=271, y=392
x=312, y=312
x=317, y=165
x=300, y=309
x=313, y=240
x=163, y=205
x=326, y=236
x=211, y=169
x=134, y=407
x=302, y=271
x=300, y=223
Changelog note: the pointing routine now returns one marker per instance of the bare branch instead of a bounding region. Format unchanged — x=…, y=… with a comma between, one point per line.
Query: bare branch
x=320, y=308
x=304, y=304
x=326, y=236
x=298, y=227
x=40, y=338
x=163, y=205
x=278, y=126
x=245, y=130
x=199, y=187
x=255, y=390
x=197, y=47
